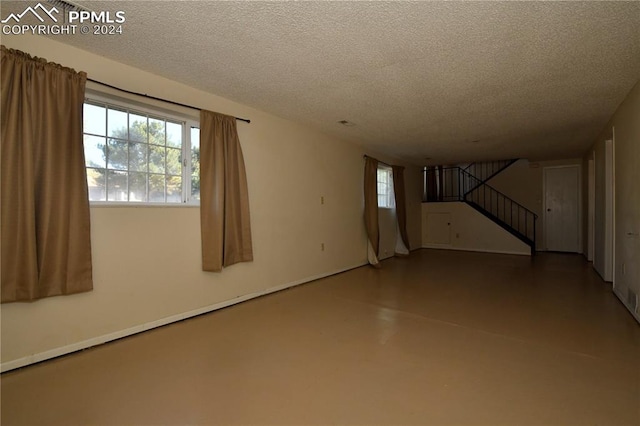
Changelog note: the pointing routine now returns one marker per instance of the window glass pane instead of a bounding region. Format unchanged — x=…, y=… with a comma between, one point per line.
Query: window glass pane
x=116, y=185
x=156, y=159
x=94, y=151
x=117, y=157
x=137, y=186
x=174, y=134
x=133, y=157
x=174, y=189
x=138, y=129
x=156, y=131
x=385, y=187
x=174, y=161
x=156, y=188
x=96, y=183
x=195, y=188
x=195, y=163
x=138, y=156
x=94, y=119
x=117, y=120
x=195, y=151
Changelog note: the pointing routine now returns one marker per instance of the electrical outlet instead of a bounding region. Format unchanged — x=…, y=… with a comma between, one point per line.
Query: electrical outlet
x=457, y=235
x=321, y=199
x=321, y=246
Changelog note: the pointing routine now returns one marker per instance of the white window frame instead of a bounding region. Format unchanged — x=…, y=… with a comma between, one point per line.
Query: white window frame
x=385, y=187
x=187, y=121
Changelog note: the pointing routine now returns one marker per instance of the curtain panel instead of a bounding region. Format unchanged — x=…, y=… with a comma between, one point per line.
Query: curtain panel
x=401, y=209
x=431, y=184
x=46, y=246
x=371, y=209
x=440, y=182
x=224, y=197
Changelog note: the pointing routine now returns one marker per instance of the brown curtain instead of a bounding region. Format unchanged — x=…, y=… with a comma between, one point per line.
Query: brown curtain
x=440, y=182
x=432, y=185
x=401, y=206
x=371, y=208
x=46, y=246
x=224, y=197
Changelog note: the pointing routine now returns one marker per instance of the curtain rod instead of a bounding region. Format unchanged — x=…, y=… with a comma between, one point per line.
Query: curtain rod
x=381, y=162
x=246, y=120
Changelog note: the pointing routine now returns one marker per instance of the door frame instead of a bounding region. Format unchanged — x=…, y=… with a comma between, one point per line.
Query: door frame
x=591, y=207
x=605, y=252
x=579, y=207
x=610, y=209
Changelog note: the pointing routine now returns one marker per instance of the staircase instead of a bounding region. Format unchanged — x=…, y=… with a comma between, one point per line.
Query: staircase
x=488, y=169
x=469, y=185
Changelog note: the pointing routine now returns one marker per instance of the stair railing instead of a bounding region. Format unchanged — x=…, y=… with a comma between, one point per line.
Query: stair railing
x=487, y=169
x=496, y=205
x=460, y=185
x=452, y=186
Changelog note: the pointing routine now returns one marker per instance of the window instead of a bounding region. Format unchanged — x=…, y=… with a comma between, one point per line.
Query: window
x=133, y=155
x=385, y=187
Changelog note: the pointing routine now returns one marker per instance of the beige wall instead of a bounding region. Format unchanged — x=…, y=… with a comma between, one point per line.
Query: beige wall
x=469, y=230
x=523, y=182
x=601, y=245
x=624, y=127
x=147, y=259
x=413, y=188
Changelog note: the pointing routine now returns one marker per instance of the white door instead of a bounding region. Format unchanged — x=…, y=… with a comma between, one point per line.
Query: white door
x=438, y=229
x=562, y=214
x=591, y=222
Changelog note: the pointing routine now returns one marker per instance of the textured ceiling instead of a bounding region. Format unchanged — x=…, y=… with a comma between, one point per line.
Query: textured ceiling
x=453, y=81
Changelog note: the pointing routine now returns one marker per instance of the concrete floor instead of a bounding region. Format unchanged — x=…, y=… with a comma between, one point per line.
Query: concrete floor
x=443, y=337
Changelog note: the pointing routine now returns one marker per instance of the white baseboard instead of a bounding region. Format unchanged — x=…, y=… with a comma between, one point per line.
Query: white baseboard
x=53, y=353
x=624, y=302
x=443, y=247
